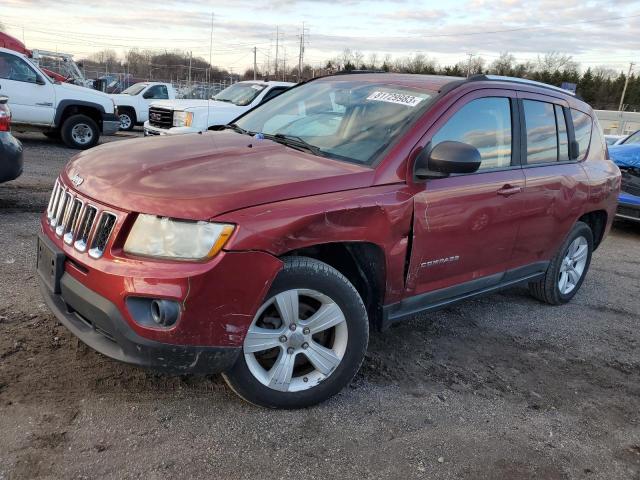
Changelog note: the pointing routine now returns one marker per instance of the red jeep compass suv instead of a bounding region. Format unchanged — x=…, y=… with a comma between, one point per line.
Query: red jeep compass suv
x=267, y=250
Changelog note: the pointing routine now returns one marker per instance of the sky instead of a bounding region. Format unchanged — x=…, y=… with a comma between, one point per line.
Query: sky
x=594, y=33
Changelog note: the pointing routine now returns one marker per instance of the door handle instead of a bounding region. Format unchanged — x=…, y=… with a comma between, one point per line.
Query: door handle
x=509, y=190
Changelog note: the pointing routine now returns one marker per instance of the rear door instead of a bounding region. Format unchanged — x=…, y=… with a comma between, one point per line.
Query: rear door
x=555, y=190
x=465, y=226
x=31, y=97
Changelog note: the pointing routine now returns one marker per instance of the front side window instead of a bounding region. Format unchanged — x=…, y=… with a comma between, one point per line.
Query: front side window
x=241, y=94
x=484, y=123
x=157, y=92
x=542, y=137
x=349, y=120
x=582, y=128
x=15, y=68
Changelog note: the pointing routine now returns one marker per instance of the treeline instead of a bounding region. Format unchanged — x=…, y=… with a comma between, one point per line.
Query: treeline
x=601, y=87
x=175, y=66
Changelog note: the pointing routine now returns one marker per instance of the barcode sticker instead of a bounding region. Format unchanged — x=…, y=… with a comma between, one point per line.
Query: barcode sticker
x=399, y=98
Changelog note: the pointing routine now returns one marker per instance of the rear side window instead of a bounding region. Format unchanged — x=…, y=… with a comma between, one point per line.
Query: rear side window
x=484, y=123
x=542, y=138
x=563, y=137
x=582, y=128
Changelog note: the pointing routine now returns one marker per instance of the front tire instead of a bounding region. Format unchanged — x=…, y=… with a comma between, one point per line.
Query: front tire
x=127, y=120
x=80, y=131
x=568, y=268
x=307, y=340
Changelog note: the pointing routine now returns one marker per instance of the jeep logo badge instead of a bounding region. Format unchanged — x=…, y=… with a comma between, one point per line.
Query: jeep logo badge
x=77, y=180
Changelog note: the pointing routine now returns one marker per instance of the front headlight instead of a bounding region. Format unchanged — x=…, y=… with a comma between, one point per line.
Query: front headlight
x=163, y=237
x=182, y=119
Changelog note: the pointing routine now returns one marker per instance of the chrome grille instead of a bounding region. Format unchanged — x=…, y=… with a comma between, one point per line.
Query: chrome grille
x=72, y=221
x=84, y=227
x=79, y=223
x=101, y=236
x=160, y=117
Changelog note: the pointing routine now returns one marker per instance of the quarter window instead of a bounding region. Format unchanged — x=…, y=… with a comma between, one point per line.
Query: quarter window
x=542, y=137
x=484, y=123
x=582, y=128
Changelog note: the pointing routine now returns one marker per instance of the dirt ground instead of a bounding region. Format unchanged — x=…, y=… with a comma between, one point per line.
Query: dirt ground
x=499, y=387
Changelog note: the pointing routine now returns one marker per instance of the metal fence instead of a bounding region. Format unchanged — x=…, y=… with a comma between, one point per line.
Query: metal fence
x=116, y=82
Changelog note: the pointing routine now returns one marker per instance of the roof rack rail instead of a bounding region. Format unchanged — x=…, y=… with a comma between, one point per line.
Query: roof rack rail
x=500, y=78
x=350, y=72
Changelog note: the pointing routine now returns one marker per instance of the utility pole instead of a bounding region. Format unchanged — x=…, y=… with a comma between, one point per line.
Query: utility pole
x=210, y=49
x=626, y=82
x=190, y=58
x=469, y=67
x=284, y=64
x=275, y=71
x=255, y=63
x=301, y=54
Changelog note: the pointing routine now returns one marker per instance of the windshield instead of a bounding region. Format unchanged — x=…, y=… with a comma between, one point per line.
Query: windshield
x=632, y=139
x=349, y=120
x=240, y=94
x=134, y=89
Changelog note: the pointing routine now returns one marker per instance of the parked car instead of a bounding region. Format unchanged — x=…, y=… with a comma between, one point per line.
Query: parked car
x=133, y=103
x=178, y=117
x=76, y=114
x=10, y=146
x=268, y=250
x=627, y=157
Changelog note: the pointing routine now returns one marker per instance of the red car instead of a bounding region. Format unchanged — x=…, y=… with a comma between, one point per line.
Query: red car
x=268, y=250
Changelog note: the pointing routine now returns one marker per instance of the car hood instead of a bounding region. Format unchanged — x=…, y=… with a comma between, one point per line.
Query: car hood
x=200, y=176
x=195, y=104
x=625, y=155
x=123, y=98
x=83, y=93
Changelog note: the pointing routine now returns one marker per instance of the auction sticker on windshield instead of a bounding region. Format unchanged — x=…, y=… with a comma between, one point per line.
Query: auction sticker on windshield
x=399, y=98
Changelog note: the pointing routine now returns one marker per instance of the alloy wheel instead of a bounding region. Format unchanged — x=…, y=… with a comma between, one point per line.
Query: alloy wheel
x=296, y=340
x=573, y=265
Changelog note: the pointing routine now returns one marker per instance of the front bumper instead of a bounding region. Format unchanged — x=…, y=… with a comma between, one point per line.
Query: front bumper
x=110, y=124
x=98, y=323
x=151, y=131
x=628, y=207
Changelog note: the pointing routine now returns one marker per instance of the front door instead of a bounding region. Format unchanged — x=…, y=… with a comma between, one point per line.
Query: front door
x=465, y=226
x=30, y=102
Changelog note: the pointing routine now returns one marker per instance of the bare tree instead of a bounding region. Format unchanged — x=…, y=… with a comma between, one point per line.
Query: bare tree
x=556, y=61
x=503, y=65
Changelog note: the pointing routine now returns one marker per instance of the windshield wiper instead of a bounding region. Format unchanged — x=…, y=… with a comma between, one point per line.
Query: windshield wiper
x=222, y=100
x=296, y=142
x=236, y=128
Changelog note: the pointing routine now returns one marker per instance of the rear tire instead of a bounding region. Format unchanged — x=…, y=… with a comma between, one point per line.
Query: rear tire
x=81, y=132
x=568, y=268
x=306, y=342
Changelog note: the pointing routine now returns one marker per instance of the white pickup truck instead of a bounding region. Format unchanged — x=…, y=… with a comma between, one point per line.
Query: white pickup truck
x=133, y=103
x=178, y=117
x=76, y=114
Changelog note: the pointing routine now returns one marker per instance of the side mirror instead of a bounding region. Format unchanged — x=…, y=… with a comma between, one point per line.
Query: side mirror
x=40, y=80
x=574, y=149
x=446, y=158
x=147, y=95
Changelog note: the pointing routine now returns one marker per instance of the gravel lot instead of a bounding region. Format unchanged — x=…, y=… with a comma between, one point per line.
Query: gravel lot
x=499, y=387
